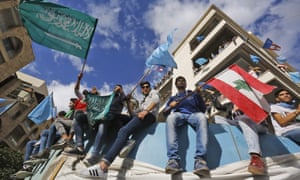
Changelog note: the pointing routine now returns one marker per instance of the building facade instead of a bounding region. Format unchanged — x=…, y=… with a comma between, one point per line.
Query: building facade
x=19, y=92
x=223, y=43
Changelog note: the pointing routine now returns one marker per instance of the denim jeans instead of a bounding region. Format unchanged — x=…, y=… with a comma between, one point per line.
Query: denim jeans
x=53, y=136
x=113, y=123
x=81, y=125
x=251, y=132
x=43, y=139
x=134, y=125
x=177, y=120
x=294, y=135
x=30, y=149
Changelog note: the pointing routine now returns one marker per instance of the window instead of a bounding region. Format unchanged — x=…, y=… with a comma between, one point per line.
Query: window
x=17, y=134
x=13, y=46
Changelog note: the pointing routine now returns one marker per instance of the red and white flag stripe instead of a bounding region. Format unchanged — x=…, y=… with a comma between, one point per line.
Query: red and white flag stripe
x=244, y=90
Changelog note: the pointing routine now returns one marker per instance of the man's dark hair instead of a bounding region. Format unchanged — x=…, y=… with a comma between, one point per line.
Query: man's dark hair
x=119, y=85
x=179, y=78
x=62, y=113
x=144, y=82
x=73, y=100
x=278, y=91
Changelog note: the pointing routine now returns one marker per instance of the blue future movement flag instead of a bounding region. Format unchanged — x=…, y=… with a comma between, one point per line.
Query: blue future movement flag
x=295, y=76
x=5, y=104
x=254, y=58
x=201, y=61
x=281, y=59
x=58, y=27
x=43, y=111
x=161, y=56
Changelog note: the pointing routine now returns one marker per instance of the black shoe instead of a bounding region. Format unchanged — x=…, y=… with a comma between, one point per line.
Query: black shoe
x=76, y=151
x=41, y=155
x=91, y=161
x=26, y=171
x=200, y=168
x=60, y=145
x=173, y=167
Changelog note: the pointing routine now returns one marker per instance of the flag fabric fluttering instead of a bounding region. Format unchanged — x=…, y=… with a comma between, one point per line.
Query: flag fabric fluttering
x=295, y=77
x=58, y=27
x=43, y=111
x=281, y=59
x=161, y=56
x=269, y=44
x=200, y=38
x=201, y=61
x=254, y=58
x=243, y=90
x=98, y=107
x=5, y=104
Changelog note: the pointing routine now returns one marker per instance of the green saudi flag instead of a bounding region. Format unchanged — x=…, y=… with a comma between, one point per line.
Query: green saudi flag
x=58, y=27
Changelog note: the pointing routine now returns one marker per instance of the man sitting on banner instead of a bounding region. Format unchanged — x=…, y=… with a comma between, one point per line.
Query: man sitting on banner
x=113, y=121
x=186, y=108
x=251, y=131
x=286, y=115
x=145, y=117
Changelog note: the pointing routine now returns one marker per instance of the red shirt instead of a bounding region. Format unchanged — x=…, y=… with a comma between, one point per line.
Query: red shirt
x=80, y=105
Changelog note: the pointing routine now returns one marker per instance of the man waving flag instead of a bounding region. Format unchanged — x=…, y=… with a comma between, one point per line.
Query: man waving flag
x=244, y=91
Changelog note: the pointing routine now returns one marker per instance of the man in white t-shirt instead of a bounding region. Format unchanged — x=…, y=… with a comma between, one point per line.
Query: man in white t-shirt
x=285, y=116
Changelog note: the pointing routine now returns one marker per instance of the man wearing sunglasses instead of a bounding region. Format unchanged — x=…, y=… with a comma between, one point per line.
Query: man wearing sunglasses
x=145, y=117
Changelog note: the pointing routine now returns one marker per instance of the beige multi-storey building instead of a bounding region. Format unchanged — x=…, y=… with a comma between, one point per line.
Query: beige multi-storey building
x=21, y=92
x=224, y=43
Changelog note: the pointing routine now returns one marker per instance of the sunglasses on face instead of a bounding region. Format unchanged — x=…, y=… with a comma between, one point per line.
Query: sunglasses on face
x=143, y=87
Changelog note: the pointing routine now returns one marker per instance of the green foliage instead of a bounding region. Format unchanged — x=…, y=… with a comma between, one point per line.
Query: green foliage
x=11, y=161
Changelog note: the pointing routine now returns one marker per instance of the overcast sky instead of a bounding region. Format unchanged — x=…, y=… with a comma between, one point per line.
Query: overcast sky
x=129, y=30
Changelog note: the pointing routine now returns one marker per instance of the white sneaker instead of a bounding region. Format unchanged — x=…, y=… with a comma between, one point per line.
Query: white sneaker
x=127, y=148
x=94, y=172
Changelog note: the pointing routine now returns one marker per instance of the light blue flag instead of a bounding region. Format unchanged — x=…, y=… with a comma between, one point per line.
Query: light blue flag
x=281, y=59
x=199, y=38
x=201, y=61
x=254, y=58
x=161, y=56
x=43, y=111
x=295, y=76
x=5, y=104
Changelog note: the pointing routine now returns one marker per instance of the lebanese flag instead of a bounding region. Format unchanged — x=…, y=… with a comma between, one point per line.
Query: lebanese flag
x=244, y=90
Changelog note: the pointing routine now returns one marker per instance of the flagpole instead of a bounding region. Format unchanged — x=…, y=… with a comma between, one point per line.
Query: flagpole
x=142, y=78
x=83, y=66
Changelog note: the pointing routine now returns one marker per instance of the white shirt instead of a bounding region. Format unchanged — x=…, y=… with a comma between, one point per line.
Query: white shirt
x=153, y=97
x=279, y=130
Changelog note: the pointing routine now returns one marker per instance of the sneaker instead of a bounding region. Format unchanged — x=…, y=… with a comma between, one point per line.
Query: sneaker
x=91, y=161
x=257, y=166
x=127, y=148
x=26, y=171
x=33, y=162
x=173, y=167
x=41, y=155
x=76, y=151
x=92, y=172
x=200, y=168
x=61, y=144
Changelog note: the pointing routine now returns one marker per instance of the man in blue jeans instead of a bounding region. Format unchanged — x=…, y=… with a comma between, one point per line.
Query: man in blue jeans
x=145, y=117
x=186, y=108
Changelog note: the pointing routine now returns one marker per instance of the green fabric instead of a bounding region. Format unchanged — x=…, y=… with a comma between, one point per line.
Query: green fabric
x=58, y=27
x=69, y=114
x=98, y=107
